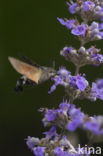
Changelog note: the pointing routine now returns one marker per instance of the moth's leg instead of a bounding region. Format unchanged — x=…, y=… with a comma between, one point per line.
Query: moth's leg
x=20, y=83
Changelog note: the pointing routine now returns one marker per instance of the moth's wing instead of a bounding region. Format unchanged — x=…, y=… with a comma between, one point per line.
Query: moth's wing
x=31, y=72
x=28, y=61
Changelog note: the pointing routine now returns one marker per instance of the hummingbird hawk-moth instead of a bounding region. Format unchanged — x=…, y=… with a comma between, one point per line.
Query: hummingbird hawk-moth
x=31, y=72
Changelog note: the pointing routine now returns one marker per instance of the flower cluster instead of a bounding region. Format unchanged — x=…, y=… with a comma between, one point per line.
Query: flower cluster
x=84, y=32
x=58, y=146
x=65, y=78
x=77, y=86
x=82, y=56
x=87, y=9
x=74, y=118
x=68, y=118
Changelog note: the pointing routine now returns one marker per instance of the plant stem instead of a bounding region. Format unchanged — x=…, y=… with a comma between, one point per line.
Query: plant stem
x=77, y=70
x=70, y=101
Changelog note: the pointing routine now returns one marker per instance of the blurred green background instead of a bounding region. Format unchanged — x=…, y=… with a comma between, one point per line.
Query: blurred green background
x=31, y=28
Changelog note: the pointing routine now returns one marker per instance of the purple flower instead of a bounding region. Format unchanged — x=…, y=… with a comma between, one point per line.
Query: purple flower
x=76, y=119
x=39, y=151
x=61, y=21
x=95, y=30
x=95, y=125
x=97, y=58
x=97, y=89
x=80, y=30
x=64, y=106
x=31, y=142
x=58, y=152
x=92, y=50
x=63, y=75
x=101, y=26
x=66, y=50
x=58, y=81
x=63, y=71
x=50, y=115
x=94, y=25
x=100, y=13
x=51, y=133
x=52, y=89
x=88, y=5
x=92, y=126
x=73, y=125
x=72, y=8
x=100, y=34
x=68, y=23
x=79, y=82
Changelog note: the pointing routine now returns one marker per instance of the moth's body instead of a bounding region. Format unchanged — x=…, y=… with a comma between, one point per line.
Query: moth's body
x=32, y=73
